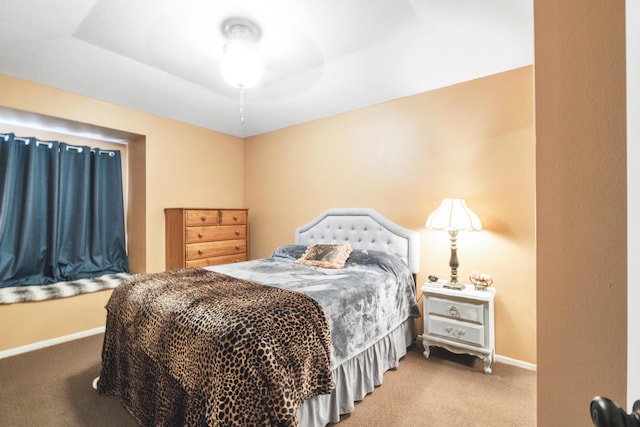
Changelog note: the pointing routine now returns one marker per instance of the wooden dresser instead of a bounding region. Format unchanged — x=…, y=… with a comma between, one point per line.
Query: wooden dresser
x=202, y=237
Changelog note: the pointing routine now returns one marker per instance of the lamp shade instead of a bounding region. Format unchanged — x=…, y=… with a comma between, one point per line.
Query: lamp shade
x=453, y=214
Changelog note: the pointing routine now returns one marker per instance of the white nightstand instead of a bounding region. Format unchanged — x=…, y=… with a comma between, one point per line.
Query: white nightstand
x=459, y=320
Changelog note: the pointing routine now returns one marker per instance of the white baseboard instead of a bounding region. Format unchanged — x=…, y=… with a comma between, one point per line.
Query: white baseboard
x=48, y=343
x=59, y=340
x=517, y=363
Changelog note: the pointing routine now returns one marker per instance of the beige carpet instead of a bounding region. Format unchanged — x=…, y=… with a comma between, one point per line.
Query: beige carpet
x=448, y=390
x=52, y=387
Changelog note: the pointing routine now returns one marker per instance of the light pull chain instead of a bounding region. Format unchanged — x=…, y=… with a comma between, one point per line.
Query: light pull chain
x=241, y=106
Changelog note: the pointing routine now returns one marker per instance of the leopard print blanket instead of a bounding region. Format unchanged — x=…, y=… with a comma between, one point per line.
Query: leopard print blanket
x=197, y=348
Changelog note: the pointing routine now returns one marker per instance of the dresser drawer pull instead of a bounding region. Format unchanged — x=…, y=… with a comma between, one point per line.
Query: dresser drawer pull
x=200, y=235
x=237, y=233
x=453, y=311
x=454, y=332
x=204, y=218
x=200, y=252
x=235, y=217
x=237, y=248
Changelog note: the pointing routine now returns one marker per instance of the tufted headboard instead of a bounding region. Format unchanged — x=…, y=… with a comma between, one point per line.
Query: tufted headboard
x=363, y=228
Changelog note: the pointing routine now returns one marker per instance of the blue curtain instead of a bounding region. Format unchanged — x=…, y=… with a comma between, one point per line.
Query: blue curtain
x=61, y=212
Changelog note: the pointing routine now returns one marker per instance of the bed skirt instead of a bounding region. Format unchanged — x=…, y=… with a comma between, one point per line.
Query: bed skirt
x=357, y=377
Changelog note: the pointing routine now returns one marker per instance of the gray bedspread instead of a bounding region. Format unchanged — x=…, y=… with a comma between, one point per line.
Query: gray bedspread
x=363, y=301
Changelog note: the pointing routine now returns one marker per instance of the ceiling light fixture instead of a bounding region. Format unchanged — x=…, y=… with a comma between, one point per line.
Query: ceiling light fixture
x=241, y=63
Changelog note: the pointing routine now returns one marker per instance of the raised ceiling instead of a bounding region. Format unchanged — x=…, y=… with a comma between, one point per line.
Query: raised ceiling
x=322, y=57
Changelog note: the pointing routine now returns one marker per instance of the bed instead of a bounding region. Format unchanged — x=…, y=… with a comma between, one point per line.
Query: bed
x=346, y=326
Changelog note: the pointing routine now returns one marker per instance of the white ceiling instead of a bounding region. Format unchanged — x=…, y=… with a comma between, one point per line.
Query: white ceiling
x=322, y=57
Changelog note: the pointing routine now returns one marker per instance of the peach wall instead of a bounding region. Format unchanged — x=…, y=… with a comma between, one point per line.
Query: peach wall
x=473, y=140
x=172, y=164
x=32, y=322
x=581, y=207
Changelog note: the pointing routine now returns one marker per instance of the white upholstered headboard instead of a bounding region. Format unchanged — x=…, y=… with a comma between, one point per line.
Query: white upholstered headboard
x=363, y=228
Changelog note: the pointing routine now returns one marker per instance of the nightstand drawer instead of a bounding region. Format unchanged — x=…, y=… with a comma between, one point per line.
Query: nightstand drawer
x=463, y=332
x=456, y=309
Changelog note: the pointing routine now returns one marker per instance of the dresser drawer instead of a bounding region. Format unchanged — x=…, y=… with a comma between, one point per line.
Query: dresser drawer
x=469, y=311
x=202, y=217
x=215, y=232
x=469, y=333
x=224, y=259
x=213, y=249
x=231, y=217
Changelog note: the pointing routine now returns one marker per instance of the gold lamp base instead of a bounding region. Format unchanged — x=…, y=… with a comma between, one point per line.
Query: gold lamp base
x=453, y=263
x=453, y=285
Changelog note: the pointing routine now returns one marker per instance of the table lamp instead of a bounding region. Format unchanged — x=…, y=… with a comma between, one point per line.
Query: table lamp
x=453, y=215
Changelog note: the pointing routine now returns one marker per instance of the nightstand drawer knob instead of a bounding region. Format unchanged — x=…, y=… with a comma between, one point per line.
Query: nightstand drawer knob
x=454, y=332
x=453, y=311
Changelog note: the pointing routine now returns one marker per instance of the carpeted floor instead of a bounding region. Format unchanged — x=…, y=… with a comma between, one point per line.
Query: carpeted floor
x=52, y=387
x=448, y=390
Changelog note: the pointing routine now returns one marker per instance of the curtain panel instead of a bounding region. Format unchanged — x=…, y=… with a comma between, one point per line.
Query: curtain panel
x=61, y=212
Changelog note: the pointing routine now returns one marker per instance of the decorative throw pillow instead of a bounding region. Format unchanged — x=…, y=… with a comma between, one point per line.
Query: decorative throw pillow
x=327, y=255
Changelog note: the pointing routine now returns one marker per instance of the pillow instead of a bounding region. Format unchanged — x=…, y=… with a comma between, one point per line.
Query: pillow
x=383, y=260
x=292, y=252
x=327, y=255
